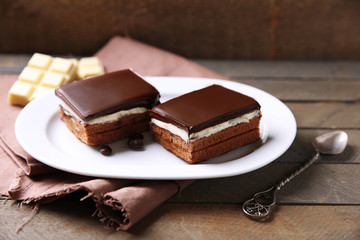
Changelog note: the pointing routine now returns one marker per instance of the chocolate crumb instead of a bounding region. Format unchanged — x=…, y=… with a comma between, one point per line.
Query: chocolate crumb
x=105, y=150
x=136, y=141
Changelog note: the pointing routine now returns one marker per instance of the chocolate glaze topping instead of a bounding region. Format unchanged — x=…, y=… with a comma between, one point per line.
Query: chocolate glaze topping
x=204, y=108
x=108, y=93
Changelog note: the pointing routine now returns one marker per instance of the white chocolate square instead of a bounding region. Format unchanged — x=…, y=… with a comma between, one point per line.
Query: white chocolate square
x=40, y=61
x=20, y=93
x=89, y=66
x=31, y=75
x=61, y=65
x=52, y=79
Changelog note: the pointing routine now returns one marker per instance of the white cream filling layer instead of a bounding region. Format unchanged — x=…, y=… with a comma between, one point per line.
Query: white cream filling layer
x=103, y=119
x=207, y=131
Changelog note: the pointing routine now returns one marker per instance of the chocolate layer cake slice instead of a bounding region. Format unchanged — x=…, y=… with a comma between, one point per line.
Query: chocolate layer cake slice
x=107, y=108
x=206, y=123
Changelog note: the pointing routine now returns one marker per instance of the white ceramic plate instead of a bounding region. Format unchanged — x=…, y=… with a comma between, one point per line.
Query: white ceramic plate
x=45, y=137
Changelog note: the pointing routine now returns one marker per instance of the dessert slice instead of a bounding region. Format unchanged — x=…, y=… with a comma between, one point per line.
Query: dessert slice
x=107, y=108
x=206, y=123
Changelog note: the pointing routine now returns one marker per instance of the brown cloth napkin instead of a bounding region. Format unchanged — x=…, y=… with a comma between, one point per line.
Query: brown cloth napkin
x=120, y=202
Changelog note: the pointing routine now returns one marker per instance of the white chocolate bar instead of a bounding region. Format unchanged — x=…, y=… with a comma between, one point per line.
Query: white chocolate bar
x=42, y=74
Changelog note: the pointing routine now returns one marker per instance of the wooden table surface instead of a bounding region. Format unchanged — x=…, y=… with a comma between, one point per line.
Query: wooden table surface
x=321, y=203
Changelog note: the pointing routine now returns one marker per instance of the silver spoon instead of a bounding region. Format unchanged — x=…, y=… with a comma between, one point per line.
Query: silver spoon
x=259, y=208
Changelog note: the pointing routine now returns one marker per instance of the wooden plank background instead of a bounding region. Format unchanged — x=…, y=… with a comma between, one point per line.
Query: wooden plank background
x=236, y=29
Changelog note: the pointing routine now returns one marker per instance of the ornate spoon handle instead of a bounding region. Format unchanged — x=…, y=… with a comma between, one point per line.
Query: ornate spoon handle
x=298, y=171
x=259, y=207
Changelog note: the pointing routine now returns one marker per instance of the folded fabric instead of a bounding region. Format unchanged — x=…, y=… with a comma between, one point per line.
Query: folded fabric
x=120, y=202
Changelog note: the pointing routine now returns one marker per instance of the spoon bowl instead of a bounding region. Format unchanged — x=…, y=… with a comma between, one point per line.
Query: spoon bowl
x=331, y=142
